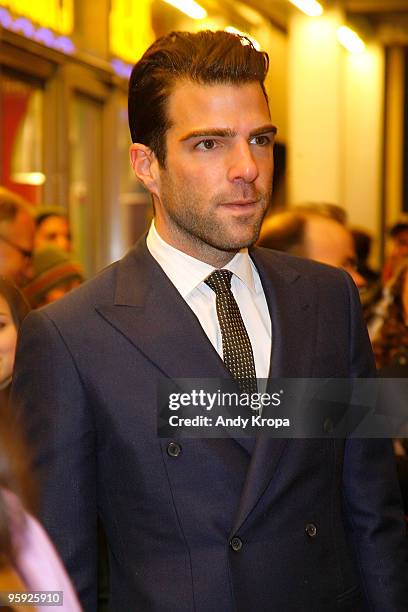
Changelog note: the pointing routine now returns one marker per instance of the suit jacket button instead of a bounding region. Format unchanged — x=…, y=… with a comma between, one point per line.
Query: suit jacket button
x=328, y=426
x=236, y=543
x=173, y=449
x=311, y=530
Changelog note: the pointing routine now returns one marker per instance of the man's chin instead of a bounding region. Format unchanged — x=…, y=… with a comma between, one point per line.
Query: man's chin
x=235, y=243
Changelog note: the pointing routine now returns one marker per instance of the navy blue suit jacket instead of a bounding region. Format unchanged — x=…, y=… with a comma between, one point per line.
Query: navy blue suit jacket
x=86, y=382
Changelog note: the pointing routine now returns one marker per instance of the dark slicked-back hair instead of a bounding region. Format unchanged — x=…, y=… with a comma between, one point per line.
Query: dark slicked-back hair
x=206, y=58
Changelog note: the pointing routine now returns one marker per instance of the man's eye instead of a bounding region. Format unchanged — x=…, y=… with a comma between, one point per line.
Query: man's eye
x=206, y=145
x=262, y=140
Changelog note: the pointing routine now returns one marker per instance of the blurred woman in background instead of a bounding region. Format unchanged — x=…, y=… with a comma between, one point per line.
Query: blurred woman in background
x=28, y=560
x=13, y=309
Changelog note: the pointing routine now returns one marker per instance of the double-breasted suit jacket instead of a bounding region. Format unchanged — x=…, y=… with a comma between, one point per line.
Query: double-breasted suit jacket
x=219, y=525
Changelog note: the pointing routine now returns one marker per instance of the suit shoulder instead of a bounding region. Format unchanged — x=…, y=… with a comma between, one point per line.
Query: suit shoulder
x=84, y=298
x=284, y=262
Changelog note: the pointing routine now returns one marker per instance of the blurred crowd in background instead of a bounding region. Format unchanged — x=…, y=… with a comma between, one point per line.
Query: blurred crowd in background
x=35, y=269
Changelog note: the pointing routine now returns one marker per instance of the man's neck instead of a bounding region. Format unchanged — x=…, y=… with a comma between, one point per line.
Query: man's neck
x=194, y=247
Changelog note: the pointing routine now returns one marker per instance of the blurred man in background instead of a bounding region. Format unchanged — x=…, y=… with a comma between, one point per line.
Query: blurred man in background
x=310, y=232
x=16, y=238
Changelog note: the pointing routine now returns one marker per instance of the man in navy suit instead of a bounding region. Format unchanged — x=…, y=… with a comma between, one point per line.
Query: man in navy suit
x=212, y=525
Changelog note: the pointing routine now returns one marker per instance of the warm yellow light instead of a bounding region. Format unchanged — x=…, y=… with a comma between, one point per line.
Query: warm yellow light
x=312, y=8
x=55, y=14
x=189, y=7
x=253, y=40
x=127, y=41
x=350, y=40
x=28, y=178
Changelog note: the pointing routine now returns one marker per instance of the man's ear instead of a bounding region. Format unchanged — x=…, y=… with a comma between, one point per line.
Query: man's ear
x=145, y=166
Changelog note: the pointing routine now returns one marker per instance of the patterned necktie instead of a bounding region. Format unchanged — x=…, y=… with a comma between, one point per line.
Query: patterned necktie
x=236, y=345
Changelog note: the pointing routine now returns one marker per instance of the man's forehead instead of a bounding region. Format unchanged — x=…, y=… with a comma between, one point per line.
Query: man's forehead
x=194, y=105
x=325, y=236
x=319, y=225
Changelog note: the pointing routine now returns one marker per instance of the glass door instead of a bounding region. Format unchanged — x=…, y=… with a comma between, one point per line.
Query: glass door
x=85, y=198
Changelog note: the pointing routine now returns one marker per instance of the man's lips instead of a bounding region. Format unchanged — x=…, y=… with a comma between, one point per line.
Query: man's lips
x=240, y=205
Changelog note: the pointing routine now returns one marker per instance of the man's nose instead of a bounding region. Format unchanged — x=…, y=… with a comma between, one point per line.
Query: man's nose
x=243, y=166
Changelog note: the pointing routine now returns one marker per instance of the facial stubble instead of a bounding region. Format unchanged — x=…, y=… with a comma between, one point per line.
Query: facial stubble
x=197, y=229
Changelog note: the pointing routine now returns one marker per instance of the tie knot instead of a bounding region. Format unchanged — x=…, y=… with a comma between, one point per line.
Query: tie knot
x=220, y=281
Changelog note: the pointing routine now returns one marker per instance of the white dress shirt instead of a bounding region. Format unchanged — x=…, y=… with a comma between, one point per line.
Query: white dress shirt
x=188, y=274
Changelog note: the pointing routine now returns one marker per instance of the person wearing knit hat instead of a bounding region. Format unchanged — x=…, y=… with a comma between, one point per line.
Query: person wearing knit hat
x=54, y=275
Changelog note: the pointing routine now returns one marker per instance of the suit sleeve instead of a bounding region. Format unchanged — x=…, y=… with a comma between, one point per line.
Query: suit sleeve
x=372, y=499
x=49, y=400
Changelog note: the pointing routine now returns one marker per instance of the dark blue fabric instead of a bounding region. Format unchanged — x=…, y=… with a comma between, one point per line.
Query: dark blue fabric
x=85, y=388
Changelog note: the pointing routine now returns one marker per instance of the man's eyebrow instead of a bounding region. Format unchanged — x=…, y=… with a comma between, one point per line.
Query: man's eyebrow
x=227, y=132
x=209, y=132
x=264, y=129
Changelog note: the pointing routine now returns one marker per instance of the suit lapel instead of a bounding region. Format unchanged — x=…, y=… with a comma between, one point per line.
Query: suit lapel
x=291, y=302
x=149, y=311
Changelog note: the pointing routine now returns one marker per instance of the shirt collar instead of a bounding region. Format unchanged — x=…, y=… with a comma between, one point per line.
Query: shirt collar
x=187, y=273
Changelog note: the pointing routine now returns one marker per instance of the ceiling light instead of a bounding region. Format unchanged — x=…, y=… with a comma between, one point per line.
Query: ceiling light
x=350, y=40
x=28, y=178
x=312, y=8
x=189, y=7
